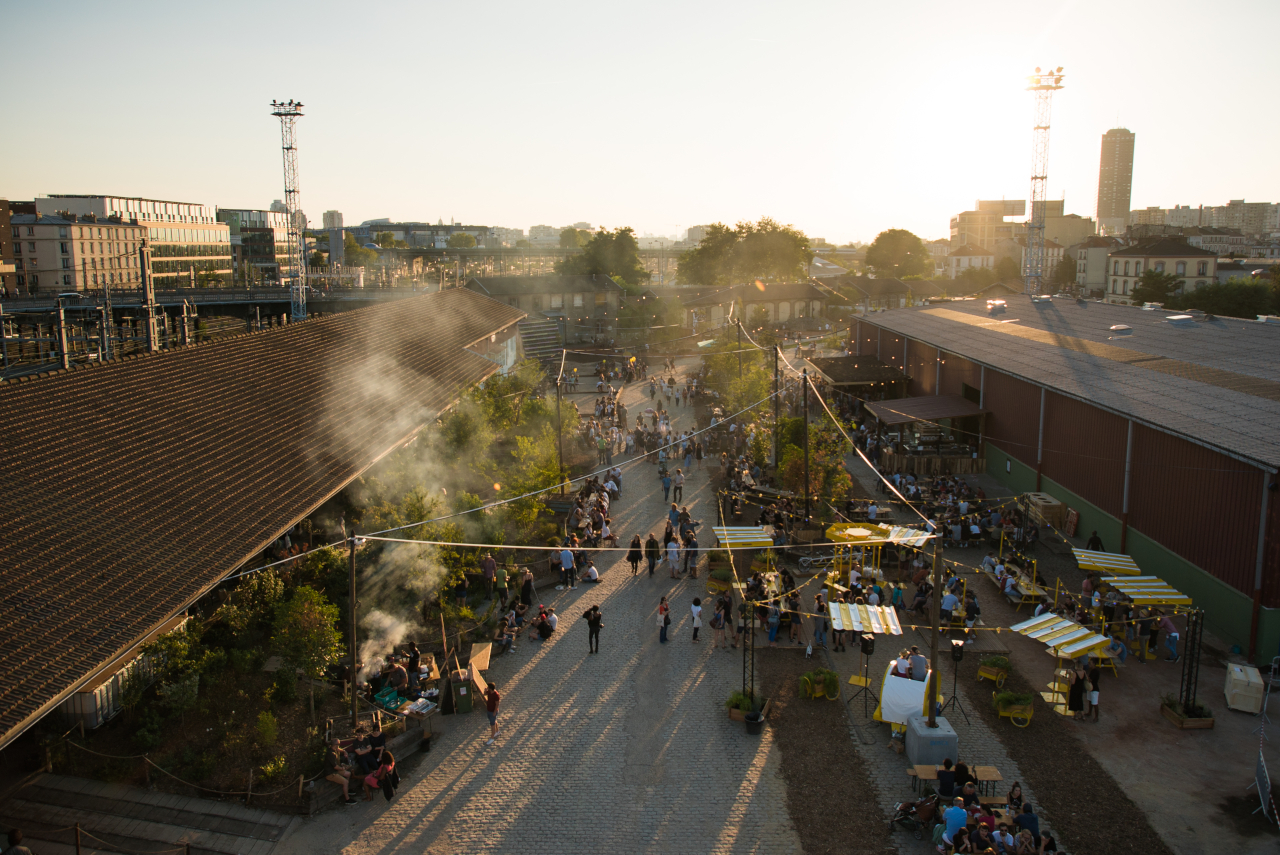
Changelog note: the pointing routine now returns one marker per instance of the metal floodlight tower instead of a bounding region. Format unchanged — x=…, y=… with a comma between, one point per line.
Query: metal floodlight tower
x=1043, y=84
x=288, y=112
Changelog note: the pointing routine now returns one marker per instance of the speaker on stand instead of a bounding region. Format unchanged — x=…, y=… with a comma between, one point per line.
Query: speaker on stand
x=867, y=643
x=957, y=656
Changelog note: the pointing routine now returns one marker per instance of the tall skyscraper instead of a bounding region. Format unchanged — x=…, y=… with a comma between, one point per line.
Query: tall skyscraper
x=332, y=220
x=1115, y=180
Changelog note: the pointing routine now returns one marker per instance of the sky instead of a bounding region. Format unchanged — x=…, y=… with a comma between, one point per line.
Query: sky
x=841, y=118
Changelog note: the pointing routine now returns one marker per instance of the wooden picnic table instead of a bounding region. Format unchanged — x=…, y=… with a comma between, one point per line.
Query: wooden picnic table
x=988, y=777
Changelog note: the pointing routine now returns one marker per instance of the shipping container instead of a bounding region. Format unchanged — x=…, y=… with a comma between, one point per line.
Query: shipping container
x=1084, y=451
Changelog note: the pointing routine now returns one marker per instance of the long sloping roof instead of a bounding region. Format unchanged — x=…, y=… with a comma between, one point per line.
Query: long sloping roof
x=761, y=293
x=135, y=486
x=842, y=370
x=1213, y=380
x=925, y=408
x=511, y=286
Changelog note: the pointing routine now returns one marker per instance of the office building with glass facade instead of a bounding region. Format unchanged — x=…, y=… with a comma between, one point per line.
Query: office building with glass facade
x=259, y=244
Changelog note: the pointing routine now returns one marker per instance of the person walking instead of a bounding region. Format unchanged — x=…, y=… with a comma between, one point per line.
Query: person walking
x=666, y=487
x=1170, y=638
x=673, y=556
x=594, y=622
x=652, y=552
x=691, y=555
x=696, y=609
x=491, y=702
x=634, y=554
x=664, y=620
x=677, y=490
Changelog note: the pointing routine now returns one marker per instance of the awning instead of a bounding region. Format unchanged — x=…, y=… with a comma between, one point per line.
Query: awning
x=1109, y=562
x=1066, y=637
x=858, y=534
x=743, y=537
x=926, y=408
x=1148, y=591
x=857, y=617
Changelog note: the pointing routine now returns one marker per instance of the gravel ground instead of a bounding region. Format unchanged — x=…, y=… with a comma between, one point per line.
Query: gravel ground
x=829, y=794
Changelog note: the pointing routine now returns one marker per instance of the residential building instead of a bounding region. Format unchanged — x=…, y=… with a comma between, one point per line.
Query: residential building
x=586, y=227
x=939, y=250
x=968, y=256
x=1016, y=248
x=783, y=302
x=1091, y=262
x=583, y=305
x=1115, y=180
x=1219, y=241
x=543, y=235
x=75, y=253
x=8, y=273
x=696, y=234
x=332, y=220
x=1069, y=229
x=508, y=237
x=1195, y=267
x=986, y=224
x=1252, y=219
x=259, y=244
x=186, y=239
x=423, y=235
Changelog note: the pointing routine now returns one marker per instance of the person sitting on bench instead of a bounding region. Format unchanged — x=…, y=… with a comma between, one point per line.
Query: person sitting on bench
x=591, y=574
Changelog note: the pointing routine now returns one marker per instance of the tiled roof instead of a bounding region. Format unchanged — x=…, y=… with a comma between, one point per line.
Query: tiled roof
x=970, y=249
x=134, y=486
x=1215, y=381
x=1163, y=247
x=510, y=286
x=757, y=294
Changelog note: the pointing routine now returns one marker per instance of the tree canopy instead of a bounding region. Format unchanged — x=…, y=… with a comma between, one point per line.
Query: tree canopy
x=896, y=253
x=1155, y=286
x=306, y=635
x=1064, y=272
x=1007, y=268
x=355, y=255
x=611, y=253
x=571, y=238
x=761, y=250
x=387, y=240
x=461, y=240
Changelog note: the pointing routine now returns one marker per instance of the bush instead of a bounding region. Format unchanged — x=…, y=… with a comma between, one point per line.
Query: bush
x=739, y=701
x=718, y=556
x=148, y=736
x=284, y=690
x=823, y=679
x=266, y=729
x=274, y=770
x=1197, y=711
x=1012, y=699
x=722, y=574
x=999, y=662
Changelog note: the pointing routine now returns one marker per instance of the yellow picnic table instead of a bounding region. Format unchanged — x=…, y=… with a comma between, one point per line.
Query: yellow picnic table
x=1090, y=559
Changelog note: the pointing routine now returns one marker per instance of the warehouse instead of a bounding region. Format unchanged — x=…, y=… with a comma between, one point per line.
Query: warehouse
x=1158, y=428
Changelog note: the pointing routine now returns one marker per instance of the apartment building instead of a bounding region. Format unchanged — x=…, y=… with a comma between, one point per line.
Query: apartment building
x=75, y=253
x=968, y=256
x=1194, y=266
x=8, y=274
x=332, y=220
x=1115, y=179
x=1091, y=257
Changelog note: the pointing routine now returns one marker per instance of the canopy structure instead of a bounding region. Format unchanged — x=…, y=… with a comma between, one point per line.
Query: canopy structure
x=1148, y=591
x=926, y=408
x=1066, y=637
x=1108, y=562
x=870, y=533
x=743, y=537
x=857, y=617
x=900, y=699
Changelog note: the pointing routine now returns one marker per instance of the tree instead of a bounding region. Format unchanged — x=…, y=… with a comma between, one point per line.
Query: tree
x=614, y=254
x=572, y=238
x=977, y=278
x=523, y=244
x=317, y=259
x=461, y=240
x=896, y=253
x=762, y=250
x=1007, y=268
x=1064, y=272
x=306, y=636
x=759, y=318
x=1155, y=286
x=355, y=255
x=1235, y=298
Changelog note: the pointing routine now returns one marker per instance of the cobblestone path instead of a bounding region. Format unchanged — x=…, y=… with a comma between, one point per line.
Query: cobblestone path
x=629, y=750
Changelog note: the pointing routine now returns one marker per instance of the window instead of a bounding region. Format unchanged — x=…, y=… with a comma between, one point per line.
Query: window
x=35, y=281
x=537, y=302
x=64, y=248
x=602, y=299
x=1137, y=268
x=1202, y=269
x=30, y=231
x=557, y=301
x=66, y=264
x=1126, y=268
x=1114, y=283
x=577, y=301
x=17, y=263
x=31, y=246
x=1160, y=266
x=1199, y=283
x=1124, y=287
x=62, y=231
x=82, y=247
x=22, y=281
x=1115, y=267
x=1182, y=268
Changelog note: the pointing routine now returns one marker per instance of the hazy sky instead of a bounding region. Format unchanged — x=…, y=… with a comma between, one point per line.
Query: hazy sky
x=843, y=118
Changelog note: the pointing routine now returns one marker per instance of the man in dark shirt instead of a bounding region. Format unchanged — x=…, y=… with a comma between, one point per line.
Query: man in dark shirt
x=1095, y=543
x=1029, y=821
x=594, y=622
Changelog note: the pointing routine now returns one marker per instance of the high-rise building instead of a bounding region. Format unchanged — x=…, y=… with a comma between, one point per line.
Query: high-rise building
x=259, y=244
x=1115, y=180
x=332, y=220
x=8, y=273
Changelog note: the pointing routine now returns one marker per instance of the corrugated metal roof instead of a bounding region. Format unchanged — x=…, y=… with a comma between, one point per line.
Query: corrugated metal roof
x=1214, y=381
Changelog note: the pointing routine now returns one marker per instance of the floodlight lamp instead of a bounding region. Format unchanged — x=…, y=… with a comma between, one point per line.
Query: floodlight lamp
x=1037, y=69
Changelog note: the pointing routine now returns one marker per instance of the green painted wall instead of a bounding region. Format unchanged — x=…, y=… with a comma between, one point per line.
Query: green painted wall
x=1228, y=612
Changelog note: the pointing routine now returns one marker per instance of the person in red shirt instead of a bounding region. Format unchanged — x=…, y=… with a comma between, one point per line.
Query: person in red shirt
x=491, y=701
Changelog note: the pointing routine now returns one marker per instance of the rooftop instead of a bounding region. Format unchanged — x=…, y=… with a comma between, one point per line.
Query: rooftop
x=1164, y=247
x=1213, y=380
x=510, y=286
x=761, y=292
x=147, y=480
x=847, y=370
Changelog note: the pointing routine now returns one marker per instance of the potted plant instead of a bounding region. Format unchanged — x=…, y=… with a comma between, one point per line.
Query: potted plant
x=994, y=668
x=718, y=559
x=820, y=683
x=739, y=705
x=1197, y=717
x=1015, y=706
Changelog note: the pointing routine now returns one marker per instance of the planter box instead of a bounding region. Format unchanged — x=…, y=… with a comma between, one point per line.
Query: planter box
x=1186, y=723
x=739, y=715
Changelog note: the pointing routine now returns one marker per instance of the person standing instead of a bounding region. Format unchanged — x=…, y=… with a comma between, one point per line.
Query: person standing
x=652, y=552
x=696, y=609
x=666, y=487
x=566, y=563
x=664, y=620
x=718, y=621
x=634, y=554
x=489, y=569
x=819, y=622
x=673, y=556
x=526, y=588
x=1095, y=673
x=1170, y=638
x=501, y=576
x=594, y=622
x=677, y=490
x=691, y=555
x=491, y=702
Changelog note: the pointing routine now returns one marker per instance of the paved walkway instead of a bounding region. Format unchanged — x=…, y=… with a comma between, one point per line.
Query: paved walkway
x=630, y=750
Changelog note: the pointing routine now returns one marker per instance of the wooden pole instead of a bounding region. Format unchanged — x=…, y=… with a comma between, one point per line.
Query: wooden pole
x=77, y=838
x=351, y=569
x=931, y=691
x=301, y=781
x=249, y=792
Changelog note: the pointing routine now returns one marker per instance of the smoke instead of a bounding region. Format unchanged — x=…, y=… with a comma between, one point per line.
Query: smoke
x=383, y=632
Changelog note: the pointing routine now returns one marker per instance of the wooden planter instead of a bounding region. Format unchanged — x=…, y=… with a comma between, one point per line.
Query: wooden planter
x=1183, y=723
x=739, y=715
x=998, y=675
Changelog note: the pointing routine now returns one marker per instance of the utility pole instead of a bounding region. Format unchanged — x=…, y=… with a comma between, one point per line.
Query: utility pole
x=931, y=691
x=560, y=433
x=775, y=405
x=739, y=348
x=1043, y=84
x=804, y=381
x=288, y=114
x=63, y=355
x=351, y=569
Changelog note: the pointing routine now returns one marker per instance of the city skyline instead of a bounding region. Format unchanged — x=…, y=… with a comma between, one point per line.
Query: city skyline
x=855, y=135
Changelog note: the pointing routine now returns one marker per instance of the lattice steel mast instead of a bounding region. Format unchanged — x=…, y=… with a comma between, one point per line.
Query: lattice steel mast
x=1043, y=85
x=289, y=112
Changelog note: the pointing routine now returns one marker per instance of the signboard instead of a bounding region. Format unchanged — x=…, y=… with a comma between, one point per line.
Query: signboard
x=1073, y=522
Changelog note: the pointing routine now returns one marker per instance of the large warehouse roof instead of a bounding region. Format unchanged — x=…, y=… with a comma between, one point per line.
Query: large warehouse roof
x=135, y=486
x=1213, y=380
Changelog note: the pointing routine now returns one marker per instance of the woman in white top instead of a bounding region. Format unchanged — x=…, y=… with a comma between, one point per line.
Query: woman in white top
x=697, y=617
x=673, y=556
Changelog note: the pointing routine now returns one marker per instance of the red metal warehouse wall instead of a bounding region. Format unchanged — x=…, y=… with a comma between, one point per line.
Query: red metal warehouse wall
x=957, y=371
x=1014, y=422
x=865, y=338
x=922, y=368
x=1084, y=451
x=1203, y=505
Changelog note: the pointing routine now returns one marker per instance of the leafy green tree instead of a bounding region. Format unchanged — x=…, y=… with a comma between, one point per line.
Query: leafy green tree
x=759, y=318
x=1235, y=298
x=317, y=259
x=355, y=255
x=461, y=240
x=1155, y=286
x=977, y=278
x=523, y=244
x=1064, y=272
x=1007, y=269
x=896, y=253
x=614, y=254
x=764, y=250
x=572, y=238
x=307, y=637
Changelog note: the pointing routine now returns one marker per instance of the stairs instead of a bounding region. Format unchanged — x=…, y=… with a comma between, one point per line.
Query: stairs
x=117, y=819
x=541, y=337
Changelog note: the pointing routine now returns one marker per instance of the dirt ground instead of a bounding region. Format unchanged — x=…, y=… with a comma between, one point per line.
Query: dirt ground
x=829, y=794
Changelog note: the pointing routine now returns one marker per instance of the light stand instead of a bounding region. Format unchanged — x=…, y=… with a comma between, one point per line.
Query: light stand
x=866, y=692
x=957, y=653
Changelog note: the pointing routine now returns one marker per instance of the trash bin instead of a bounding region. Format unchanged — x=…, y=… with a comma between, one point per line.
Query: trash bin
x=755, y=723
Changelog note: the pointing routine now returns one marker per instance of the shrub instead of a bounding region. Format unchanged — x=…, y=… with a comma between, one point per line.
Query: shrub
x=266, y=729
x=284, y=690
x=1012, y=699
x=739, y=701
x=148, y=736
x=999, y=662
x=823, y=679
x=722, y=574
x=274, y=770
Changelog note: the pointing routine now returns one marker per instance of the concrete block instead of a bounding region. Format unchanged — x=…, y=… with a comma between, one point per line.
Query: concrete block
x=928, y=746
